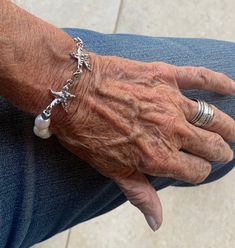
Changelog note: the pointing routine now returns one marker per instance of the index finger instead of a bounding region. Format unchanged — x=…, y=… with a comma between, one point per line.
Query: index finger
x=188, y=77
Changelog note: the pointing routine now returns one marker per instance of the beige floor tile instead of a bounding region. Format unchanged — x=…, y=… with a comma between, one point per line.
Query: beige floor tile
x=58, y=241
x=201, y=217
x=186, y=18
x=99, y=15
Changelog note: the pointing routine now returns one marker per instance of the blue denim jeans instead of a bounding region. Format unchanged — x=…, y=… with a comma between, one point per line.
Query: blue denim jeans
x=44, y=189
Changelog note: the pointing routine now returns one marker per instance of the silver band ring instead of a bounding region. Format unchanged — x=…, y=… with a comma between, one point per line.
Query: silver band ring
x=204, y=114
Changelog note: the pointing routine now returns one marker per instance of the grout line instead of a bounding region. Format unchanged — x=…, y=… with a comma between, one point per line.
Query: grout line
x=68, y=238
x=118, y=16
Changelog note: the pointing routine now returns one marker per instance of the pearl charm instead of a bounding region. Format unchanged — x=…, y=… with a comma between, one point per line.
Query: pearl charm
x=40, y=123
x=42, y=133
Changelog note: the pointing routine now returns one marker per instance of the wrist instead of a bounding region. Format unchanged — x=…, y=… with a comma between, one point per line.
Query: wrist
x=35, y=58
x=83, y=89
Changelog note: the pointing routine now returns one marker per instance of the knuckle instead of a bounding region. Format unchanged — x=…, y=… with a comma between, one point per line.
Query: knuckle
x=162, y=166
x=138, y=198
x=189, y=107
x=202, y=70
x=173, y=129
x=156, y=165
x=203, y=173
x=183, y=131
x=217, y=140
x=218, y=144
x=221, y=152
x=159, y=65
x=145, y=164
x=187, y=103
x=204, y=74
x=180, y=73
x=206, y=170
x=151, y=167
x=159, y=70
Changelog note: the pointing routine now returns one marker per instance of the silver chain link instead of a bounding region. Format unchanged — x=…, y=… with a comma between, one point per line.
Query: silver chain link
x=62, y=97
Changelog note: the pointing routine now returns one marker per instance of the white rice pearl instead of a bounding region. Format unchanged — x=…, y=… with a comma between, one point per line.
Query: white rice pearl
x=42, y=133
x=40, y=123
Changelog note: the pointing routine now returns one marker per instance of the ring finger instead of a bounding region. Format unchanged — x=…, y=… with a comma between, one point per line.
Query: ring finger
x=221, y=123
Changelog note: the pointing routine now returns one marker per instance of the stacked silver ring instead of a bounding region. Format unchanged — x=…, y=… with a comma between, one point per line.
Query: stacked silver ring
x=204, y=114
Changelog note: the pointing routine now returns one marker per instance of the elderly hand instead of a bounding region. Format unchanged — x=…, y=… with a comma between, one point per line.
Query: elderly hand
x=130, y=118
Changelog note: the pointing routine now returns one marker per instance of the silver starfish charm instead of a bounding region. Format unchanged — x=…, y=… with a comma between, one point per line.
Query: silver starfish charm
x=63, y=97
x=81, y=56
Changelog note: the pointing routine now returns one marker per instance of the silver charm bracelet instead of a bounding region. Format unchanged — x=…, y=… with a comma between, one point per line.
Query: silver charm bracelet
x=42, y=121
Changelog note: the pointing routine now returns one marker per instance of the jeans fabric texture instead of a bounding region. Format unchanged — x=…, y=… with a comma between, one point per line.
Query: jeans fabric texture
x=44, y=189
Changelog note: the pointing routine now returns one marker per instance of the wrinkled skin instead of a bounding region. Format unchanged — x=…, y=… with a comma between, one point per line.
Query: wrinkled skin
x=129, y=117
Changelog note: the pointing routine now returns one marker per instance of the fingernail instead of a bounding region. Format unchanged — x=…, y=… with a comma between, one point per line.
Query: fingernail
x=152, y=223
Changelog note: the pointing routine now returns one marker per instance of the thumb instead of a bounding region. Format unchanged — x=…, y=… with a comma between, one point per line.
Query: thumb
x=141, y=194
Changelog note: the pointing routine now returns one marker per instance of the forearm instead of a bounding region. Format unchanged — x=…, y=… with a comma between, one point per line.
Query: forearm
x=34, y=58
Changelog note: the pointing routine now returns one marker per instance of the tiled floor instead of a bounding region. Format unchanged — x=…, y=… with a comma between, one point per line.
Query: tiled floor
x=194, y=218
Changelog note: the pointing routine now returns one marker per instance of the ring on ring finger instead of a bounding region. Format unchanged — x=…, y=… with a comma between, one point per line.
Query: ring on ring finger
x=204, y=114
